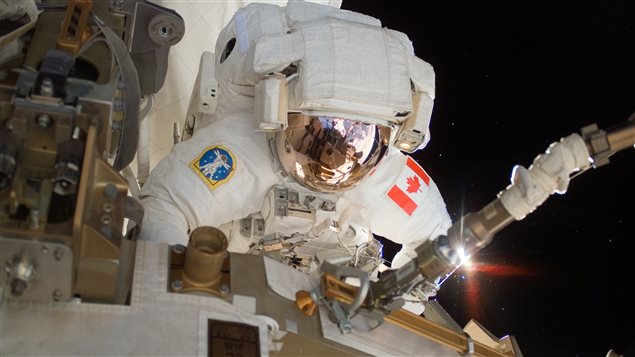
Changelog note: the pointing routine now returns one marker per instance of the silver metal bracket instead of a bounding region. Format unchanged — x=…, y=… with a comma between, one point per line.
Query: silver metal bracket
x=252, y=227
x=50, y=265
x=287, y=203
x=598, y=143
x=470, y=346
x=343, y=323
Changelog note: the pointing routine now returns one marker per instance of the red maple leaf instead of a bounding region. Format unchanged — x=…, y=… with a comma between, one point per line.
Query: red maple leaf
x=413, y=184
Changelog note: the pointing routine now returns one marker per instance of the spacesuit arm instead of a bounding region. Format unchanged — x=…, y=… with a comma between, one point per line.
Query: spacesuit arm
x=407, y=251
x=426, y=218
x=14, y=10
x=406, y=254
x=163, y=222
x=413, y=301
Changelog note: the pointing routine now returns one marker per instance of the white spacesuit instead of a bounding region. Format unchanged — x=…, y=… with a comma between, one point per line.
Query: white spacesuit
x=302, y=159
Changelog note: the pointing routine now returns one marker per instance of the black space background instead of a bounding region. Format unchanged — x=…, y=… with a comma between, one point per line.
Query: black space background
x=512, y=77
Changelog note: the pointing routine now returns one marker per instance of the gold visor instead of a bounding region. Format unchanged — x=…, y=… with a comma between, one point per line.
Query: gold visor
x=329, y=154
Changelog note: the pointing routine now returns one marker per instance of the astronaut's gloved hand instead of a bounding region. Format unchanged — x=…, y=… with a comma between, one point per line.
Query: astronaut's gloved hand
x=21, y=11
x=416, y=300
x=406, y=254
x=15, y=16
x=412, y=302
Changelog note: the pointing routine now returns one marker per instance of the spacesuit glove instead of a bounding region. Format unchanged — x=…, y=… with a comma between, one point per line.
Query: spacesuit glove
x=413, y=304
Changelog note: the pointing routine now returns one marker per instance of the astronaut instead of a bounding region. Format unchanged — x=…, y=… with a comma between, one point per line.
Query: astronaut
x=303, y=157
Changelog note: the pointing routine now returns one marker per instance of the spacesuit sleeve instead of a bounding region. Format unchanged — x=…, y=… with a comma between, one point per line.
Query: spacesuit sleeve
x=407, y=208
x=219, y=175
x=403, y=204
x=169, y=212
x=407, y=251
x=163, y=222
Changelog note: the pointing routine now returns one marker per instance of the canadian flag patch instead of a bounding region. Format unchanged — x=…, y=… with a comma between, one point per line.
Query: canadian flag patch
x=411, y=186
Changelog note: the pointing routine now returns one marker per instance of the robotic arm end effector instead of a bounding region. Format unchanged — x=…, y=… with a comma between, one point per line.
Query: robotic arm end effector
x=437, y=259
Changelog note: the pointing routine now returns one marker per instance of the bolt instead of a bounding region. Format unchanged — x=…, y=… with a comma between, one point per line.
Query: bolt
x=176, y=285
x=107, y=207
x=110, y=191
x=105, y=219
x=46, y=89
x=116, y=4
x=223, y=289
x=34, y=219
x=308, y=200
x=57, y=295
x=43, y=120
x=59, y=254
x=328, y=205
x=69, y=99
x=45, y=249
x=178, y=249
x=76, y=132
x=165, y=31
x=18, y=286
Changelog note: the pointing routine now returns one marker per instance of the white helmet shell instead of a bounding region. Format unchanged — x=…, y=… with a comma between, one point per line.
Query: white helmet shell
x=347, y=65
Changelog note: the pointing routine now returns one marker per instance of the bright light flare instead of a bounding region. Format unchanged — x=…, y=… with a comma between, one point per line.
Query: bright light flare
x=475, y=272
x=465, y=258
x=503, y=270
x=464, y=263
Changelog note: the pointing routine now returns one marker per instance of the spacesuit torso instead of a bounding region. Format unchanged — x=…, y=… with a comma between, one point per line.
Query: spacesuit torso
x=225, y=176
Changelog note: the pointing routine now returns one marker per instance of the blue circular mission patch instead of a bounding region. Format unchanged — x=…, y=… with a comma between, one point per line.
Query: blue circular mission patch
x=215, y=166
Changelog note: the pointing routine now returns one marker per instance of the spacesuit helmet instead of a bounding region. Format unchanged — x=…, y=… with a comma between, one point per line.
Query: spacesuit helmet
x=335, y=89
x=330, y=154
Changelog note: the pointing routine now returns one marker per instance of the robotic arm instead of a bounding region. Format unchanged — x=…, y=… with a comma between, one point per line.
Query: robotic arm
x=437, y=259
x=549, y=173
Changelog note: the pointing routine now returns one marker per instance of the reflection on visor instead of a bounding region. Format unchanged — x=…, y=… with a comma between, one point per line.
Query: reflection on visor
x=330, y=154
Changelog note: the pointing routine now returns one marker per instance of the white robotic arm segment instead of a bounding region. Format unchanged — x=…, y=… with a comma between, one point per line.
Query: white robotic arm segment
x=548, y=174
